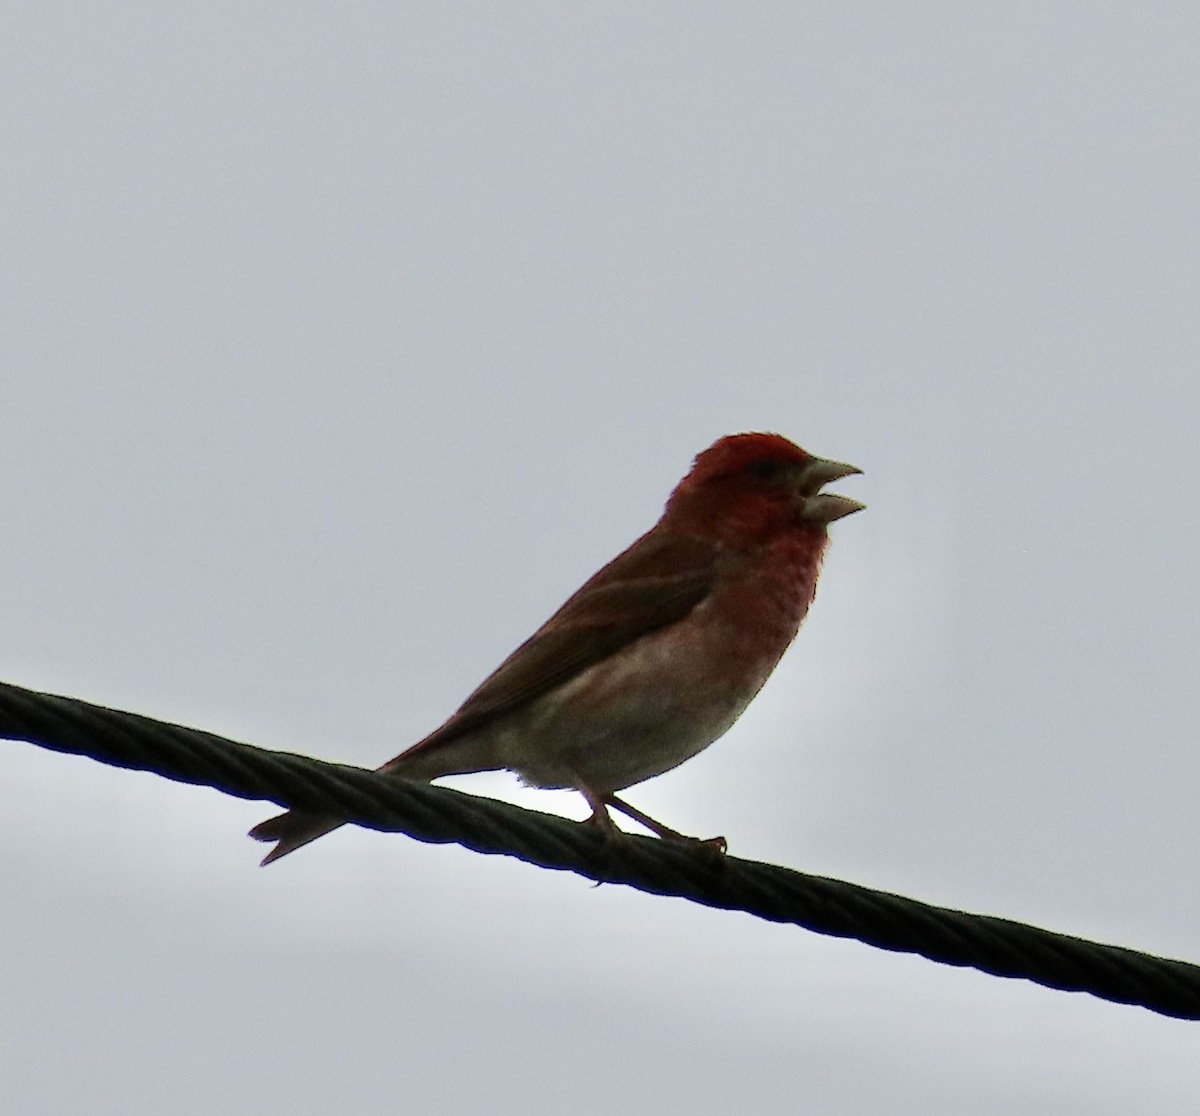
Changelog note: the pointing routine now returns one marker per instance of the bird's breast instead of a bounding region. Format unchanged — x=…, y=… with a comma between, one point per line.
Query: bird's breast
x=669, y=694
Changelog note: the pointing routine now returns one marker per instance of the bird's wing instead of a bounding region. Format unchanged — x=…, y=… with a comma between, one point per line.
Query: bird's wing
x=658, y=581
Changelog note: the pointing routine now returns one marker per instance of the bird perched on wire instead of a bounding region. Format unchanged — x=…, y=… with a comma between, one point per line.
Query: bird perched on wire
x=657, y=654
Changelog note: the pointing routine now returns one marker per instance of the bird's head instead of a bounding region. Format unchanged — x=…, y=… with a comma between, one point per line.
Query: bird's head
x=751, y=485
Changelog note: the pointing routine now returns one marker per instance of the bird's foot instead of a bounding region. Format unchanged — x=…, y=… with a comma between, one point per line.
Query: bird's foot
x=710, y=845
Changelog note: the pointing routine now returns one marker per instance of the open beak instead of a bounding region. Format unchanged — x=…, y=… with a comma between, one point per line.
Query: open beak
x=825, y=507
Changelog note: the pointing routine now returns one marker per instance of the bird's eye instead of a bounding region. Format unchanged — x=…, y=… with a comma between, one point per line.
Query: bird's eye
x=765, y=468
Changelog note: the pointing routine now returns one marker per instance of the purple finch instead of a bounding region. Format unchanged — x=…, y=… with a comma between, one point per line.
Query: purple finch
x=657, y=654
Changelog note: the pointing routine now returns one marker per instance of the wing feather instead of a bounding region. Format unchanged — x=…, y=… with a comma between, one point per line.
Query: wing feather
x=657, y=582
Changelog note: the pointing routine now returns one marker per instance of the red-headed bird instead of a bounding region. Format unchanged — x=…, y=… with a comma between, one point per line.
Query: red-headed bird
x=657, y=654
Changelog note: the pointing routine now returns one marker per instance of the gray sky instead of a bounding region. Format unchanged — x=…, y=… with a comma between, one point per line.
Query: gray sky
x=340, y=344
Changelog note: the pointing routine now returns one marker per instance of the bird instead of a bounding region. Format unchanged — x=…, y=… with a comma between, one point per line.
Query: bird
x=656, y=655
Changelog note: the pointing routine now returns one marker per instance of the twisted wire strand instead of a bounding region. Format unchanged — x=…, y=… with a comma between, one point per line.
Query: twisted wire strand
x=440, y=815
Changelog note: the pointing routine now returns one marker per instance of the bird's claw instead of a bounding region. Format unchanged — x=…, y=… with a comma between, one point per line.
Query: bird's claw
x=707, y=846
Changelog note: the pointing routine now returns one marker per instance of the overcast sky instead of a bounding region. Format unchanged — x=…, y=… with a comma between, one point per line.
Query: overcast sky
x=341, y=343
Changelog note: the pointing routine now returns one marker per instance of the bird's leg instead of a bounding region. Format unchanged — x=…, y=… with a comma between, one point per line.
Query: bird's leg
x=600, y=819
x=664, y=831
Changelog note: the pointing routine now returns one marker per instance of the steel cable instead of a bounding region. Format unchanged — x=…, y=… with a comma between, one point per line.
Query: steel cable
x=437, y=814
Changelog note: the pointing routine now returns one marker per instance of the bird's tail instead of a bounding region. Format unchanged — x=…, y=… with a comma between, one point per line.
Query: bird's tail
x=425, y=761
x=292, y=830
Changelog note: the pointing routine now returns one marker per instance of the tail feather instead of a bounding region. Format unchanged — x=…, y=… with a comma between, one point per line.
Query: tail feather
x=292, y=830
x=422, y=763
